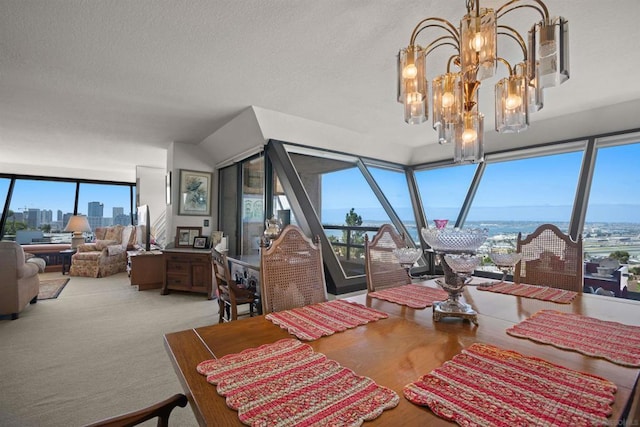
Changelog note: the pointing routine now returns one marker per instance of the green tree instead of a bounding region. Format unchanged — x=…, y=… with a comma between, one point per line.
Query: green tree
x=46, y=228
x=352, y=219
x=12, y=226
x=622, y=256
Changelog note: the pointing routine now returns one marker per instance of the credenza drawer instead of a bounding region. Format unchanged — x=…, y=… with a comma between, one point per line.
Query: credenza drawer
x=178, y=267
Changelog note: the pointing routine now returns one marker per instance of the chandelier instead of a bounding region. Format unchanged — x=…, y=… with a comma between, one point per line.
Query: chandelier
x=454, y=94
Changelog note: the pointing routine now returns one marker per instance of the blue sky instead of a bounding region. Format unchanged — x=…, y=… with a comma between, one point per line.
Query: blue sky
x=537, y=188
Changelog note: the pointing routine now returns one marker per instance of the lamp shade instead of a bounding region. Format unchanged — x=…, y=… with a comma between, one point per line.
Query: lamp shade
x=78, y=223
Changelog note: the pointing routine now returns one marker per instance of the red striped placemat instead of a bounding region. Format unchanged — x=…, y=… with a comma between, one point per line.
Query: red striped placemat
x=414, y=296
x=543, y=293
x=287, y=383
x=488, y=386
x=314, y=321
x=616, y=342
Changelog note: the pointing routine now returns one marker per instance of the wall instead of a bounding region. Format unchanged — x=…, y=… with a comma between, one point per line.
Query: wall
x=150, y=183
x=189, y=157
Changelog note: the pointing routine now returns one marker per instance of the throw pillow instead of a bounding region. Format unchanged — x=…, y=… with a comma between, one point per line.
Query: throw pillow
x=101, y=244
x=27, y=256
x=115, y=249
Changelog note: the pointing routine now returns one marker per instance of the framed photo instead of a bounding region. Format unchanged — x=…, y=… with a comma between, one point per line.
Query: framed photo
x=200, y=242
x=195, y=193
x=186, y=236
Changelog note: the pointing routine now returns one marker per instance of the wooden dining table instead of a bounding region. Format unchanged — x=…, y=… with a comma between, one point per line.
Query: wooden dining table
x=400, y=349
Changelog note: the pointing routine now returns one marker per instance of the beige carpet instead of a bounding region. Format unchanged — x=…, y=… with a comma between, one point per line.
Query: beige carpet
x=94, y=352
x=51, y=288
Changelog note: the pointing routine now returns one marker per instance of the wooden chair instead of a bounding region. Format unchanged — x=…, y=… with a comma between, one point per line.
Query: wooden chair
x=230, y=295
x=161, y=410
x=550, y=258
x=291, y=272
x=381, y=267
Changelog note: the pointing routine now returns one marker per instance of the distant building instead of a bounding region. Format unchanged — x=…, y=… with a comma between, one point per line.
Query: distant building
x=33, y=218
x=95, y=216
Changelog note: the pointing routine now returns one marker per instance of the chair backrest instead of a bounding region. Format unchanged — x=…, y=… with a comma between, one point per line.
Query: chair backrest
x=550, y=258
x=291, y=272
x=222, y=273
x=161, y=411
x=381, y=267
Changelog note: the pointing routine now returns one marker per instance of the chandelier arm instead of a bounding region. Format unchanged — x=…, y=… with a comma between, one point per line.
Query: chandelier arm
x=541, y=8
x=515, y=36
x=440, y=23
x=439, y=42
x=506, y=63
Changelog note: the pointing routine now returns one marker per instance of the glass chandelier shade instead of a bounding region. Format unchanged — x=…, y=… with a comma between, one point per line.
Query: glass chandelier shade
x=469, y=147
x=412, y=84
x=548, y=52
x=454, y=100
x=512, y=113
x=447, y=100
x=478, y=40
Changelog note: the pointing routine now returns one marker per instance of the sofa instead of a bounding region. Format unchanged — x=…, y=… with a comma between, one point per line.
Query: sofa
x=19, y=281
x=106, y=255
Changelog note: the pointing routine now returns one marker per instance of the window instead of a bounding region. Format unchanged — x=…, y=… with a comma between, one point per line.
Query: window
x=252, y=213
x=105, y=204
x=519, y=195
x=393, y=184
x=39, y=210
x=613, y=212
x=345, y=204
x=443, y=190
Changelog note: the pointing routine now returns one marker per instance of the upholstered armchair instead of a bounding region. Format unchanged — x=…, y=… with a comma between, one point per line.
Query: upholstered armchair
x=107, y=255
x=19, y=282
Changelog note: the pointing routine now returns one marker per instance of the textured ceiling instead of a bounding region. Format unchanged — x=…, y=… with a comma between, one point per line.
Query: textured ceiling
x=120, y=80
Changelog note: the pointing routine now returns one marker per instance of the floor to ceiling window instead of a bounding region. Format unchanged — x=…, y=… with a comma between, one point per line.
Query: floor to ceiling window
x=344, y=203
x=393, y=184
x=612, y=221
x=519, y=195
x=252, y=213
x=443, y=191
x=40, y=208
x=105, y=205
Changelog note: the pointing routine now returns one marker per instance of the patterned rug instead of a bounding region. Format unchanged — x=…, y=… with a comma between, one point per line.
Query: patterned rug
x=287, y=380
x=51, y=288
x=613, y=341
x=314, y=321
x=488, y=386
x=543, y=293
x=414, y=296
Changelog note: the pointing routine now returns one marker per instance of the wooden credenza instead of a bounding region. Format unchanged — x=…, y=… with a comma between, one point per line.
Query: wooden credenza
x=187, y=270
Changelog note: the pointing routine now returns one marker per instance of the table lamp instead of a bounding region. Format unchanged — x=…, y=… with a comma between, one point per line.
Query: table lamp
x=78, y=224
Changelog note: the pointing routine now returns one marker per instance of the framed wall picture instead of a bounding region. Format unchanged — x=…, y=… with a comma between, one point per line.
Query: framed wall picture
x=195, y=193
x=185, y=236
x=200, y=242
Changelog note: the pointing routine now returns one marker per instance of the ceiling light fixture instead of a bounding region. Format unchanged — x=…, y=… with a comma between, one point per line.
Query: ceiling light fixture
x=454, y=95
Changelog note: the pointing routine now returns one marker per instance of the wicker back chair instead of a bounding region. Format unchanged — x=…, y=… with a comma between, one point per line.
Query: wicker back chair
x=550, y=258
x=381, y=267
x=291, y=272
x=229, y=294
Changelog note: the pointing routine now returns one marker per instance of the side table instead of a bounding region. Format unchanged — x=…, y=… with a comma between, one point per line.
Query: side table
x=66, y=260
x=146, y=269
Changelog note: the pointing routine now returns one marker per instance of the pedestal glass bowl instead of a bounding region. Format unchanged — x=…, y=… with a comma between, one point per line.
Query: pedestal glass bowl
x=505, y=261
x=455, y=240
x=407, y=257
x=456, y=251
